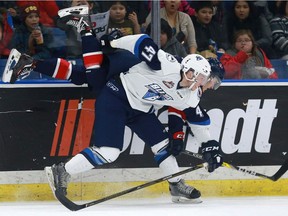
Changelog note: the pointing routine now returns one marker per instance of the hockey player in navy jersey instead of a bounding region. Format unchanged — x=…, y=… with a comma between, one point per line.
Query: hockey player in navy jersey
x=196, y=120
x=139, y=81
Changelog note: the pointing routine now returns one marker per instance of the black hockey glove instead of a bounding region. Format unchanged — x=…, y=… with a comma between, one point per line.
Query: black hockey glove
x=105, y=41
x=211, y=154
x=176, y=144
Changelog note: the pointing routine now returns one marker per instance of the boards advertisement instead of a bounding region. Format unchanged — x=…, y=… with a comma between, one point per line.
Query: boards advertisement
x=43, y=124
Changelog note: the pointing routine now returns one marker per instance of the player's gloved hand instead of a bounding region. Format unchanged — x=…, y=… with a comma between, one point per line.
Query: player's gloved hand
x=107, y=38
x=176, y=144
x=105, y=44
x=211, y=154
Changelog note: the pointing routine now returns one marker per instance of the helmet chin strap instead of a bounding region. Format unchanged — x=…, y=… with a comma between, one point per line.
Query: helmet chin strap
x=193, y=83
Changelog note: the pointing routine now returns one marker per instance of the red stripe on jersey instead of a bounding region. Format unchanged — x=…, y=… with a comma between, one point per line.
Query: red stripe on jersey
x=63, y=69
x=172, y=110
x=93, y=59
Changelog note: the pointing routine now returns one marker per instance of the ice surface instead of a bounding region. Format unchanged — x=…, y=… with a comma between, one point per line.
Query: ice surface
x=228, y=206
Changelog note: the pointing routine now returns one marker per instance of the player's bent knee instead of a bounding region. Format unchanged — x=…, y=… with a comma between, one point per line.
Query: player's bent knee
x=102, y=155
x=160, y=151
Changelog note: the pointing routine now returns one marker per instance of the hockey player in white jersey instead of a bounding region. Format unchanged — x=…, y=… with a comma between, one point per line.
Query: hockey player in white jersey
x=129, y=98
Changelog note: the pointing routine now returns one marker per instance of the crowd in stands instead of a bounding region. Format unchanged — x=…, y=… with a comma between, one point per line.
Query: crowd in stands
x=244, y=35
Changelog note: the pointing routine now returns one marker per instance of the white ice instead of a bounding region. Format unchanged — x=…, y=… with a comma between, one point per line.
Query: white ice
x=240, y=206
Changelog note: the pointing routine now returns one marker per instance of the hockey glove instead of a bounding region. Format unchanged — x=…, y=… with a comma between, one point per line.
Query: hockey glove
x=211, y=154
x=106, y=39
x=105, y=44
x=176, y=144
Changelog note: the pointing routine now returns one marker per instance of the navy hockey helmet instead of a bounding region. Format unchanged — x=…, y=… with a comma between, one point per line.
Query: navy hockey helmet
x=217, y=71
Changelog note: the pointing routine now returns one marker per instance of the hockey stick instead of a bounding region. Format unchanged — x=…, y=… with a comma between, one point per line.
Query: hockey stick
x=75, y=207
x=282, y=170
x=274, y=177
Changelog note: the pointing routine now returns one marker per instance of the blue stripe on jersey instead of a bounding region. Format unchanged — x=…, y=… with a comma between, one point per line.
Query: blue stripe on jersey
x=137, y=44
x=207, y=122
x=92, y=157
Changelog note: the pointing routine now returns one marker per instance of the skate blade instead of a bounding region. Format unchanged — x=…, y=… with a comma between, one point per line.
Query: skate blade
x=177, y=199
x=50, y=178
x=82, y=9
x=11, y=62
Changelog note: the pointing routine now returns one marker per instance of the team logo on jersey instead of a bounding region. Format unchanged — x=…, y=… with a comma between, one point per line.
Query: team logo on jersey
x=112, y=86
x=155, y=92
x=170, y=58
x=169, y=84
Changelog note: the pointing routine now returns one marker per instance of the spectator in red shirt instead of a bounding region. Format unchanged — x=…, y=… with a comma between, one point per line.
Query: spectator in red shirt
x=6, y=33
x=246, y=60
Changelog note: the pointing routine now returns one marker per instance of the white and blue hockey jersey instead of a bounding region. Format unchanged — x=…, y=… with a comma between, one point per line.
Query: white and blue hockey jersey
x=154, y=81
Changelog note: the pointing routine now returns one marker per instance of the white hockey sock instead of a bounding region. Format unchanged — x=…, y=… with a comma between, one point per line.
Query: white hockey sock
x=78, y=164
x=170, y=166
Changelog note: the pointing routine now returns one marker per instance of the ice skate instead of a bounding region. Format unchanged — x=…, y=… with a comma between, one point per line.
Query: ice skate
x=17, y=65
x=78, y=20
x=58, y=178
x=81, y=10
x=183, y=193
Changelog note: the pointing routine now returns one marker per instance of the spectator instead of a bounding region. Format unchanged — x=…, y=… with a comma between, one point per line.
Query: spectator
x=279, y=27
x=185, y=6
x=243, y=16
x=168, y=42
x=268, y=8
x=47, y=9
x=180, y=22
x=218, y=11
x=6, y=33
x=121, y=19
x=245, y=60
x=31, y=36
x=209, y=35
x=12, y=11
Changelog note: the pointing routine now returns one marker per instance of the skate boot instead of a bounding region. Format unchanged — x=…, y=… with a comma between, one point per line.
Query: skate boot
x=58, y=177
x=80, y=21
x=183, y=193
x=17, y=65
x=81, y=10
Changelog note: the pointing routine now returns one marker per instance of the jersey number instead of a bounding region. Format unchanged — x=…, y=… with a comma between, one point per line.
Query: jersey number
x=148, y=53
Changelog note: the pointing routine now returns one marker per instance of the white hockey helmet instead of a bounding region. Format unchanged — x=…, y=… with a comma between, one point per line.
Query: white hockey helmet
x=199, y=66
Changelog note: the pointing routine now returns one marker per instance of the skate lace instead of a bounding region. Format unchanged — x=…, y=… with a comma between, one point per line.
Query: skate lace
x=183, y=188
x=63, y=177
x=25, y=72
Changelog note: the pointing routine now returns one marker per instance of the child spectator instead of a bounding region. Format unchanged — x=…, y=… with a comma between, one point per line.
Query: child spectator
x=244, y=16
x=31, y=36
x=245, y=60
x=180, y=22
x=6, y=33
x=48, y=10
x=121, y=19
x=168, y=42
x=209, y=34
x=279, y=27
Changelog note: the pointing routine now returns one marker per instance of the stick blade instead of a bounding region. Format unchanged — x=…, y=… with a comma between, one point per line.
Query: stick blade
x=68, y=203
x=281, y=171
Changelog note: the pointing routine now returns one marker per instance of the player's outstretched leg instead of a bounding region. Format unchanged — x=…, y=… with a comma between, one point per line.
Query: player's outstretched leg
x=181, y=192
x=17, y=64
x=58, y=178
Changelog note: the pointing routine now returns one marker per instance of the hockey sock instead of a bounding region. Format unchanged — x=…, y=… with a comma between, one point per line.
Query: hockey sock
x=170, y=166
x=92, y=53
x=56, y=68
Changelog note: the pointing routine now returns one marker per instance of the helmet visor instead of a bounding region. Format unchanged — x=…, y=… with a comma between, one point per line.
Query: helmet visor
x=216, y=82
